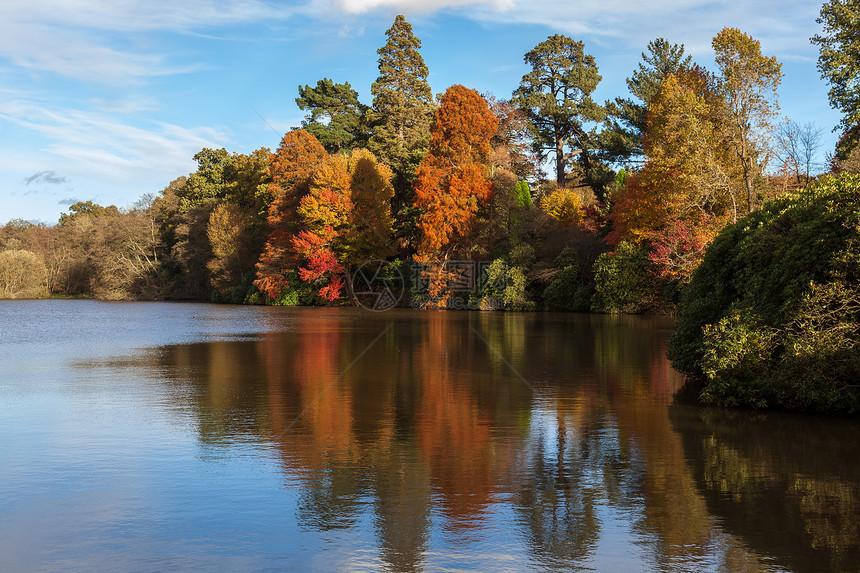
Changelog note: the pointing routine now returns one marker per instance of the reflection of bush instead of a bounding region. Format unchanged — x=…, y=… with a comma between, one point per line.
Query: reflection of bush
x=22, y=275
x=779, y=482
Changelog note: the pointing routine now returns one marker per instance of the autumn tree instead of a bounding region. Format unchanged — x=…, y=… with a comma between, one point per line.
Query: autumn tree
x=343, y=218
x=839, y=64
x=110, y=253
x=686, y=165
x=563, y=205
x=48, y=242
x=684, y=193
x=627, y=117
x=749, y=82
x=402, y=102
x=556, y=97
x=325, y=212
x=336, y=118
x=685, y=146
x=233, y=248
x=346, y=219
x=512, y=143
x=183, y=210
x=22, y=274
x=371, y=191
x=291, y=169
x=452, y=180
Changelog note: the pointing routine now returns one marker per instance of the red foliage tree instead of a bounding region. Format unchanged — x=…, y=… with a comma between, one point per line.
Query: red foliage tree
x=291, y=169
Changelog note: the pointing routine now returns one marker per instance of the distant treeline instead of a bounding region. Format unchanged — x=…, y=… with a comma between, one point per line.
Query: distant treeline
x=428, y=186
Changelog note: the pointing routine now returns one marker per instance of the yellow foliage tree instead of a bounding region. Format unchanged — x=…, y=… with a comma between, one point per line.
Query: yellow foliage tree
x=563, y=205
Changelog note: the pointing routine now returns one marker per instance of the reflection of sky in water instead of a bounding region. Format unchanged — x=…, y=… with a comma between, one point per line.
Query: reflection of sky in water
x=161, y=436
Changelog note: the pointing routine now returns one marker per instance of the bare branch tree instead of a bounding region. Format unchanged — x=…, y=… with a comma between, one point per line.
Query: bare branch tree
x=798, y=146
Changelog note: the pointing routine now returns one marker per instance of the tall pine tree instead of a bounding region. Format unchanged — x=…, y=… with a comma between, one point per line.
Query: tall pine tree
x=402, y=103
x=556, y=96
x=626, y=117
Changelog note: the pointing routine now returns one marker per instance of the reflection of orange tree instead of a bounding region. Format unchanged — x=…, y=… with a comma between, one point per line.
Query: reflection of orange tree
x=334, y=427
x=431, y=410
x=312, y=421
x=318, y=422
x=453, y=433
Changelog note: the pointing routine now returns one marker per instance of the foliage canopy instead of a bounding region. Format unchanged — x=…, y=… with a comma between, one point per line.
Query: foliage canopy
x=772, y=315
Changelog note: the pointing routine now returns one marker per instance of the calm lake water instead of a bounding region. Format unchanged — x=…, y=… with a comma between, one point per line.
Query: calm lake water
x=161, y=437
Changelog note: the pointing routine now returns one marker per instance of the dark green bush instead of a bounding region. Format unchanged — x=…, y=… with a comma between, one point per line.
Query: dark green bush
x=623, y=280
x=569, y=291
x=770, y=318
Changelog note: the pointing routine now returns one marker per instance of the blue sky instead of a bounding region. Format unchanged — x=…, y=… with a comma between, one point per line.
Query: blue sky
x=106, y=100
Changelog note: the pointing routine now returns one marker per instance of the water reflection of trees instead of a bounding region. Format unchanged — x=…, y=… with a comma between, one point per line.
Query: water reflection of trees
x=447, y=416
x=772, y=472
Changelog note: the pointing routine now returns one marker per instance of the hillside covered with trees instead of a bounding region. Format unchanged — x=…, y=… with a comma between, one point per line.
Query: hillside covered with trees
x=450, y=192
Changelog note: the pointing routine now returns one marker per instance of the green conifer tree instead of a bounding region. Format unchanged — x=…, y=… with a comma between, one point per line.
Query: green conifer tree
x=556, y=97
x=336, y=118
x=402, y=102
x=626, y=117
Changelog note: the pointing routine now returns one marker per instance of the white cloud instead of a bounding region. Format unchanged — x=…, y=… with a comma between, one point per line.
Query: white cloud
x=140, y=15
x=417, y=6
x=100, y=146
x=68, y=53
x=93, y=39
x=100, y=41
x=781, y=25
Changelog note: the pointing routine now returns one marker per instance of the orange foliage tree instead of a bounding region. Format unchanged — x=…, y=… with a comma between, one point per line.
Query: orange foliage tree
x=685, y=192
x=452, y=180
x=291, y=169
x=328, y=212
x=324, y=213
x=346, y=218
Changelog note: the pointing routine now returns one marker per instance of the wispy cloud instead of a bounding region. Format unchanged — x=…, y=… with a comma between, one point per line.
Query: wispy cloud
x=418, y=6
x=67, y=201
x=783, y=26
x=106, y=42
x=104, y=146
x=49, y=177
x=144, y=15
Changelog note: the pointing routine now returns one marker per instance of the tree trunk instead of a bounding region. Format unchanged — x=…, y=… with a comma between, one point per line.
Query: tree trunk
x=559, y=163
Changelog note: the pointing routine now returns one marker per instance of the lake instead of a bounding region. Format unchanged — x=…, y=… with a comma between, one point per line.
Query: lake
x=195, y=437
